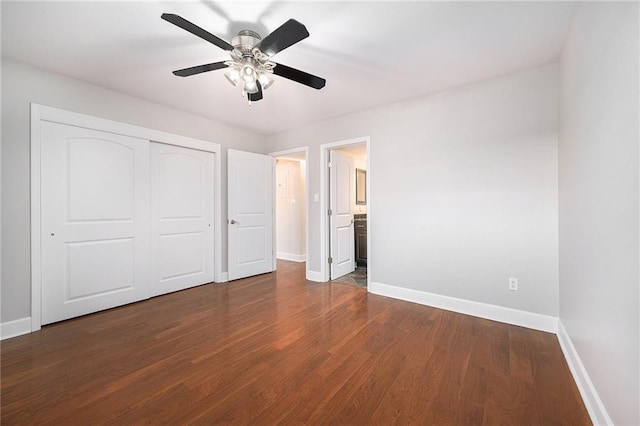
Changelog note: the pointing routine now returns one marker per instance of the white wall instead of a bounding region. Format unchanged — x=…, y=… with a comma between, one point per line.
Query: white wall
x=23, y=84
x=463, y=189
x=598, y=204
x=290, y=209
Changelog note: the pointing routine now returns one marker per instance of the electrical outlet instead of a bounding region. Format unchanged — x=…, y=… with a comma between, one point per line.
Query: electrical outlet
x=513, y=283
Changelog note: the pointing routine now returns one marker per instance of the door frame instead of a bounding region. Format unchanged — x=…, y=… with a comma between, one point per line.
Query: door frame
x=305, y=150
x=325, y=237
x=41, y=113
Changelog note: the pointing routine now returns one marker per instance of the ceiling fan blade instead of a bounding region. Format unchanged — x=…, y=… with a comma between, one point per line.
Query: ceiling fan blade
x=186, y=72
x=282, y=37
x=253, y=97
x=299, y=76
x=196, y=30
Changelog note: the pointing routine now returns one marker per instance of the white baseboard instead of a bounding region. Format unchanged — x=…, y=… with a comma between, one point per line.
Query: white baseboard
x=592, y=401
x=292, y=257
x=224, y=277
x=15, y=328
x=469, y=307
x=315, y=276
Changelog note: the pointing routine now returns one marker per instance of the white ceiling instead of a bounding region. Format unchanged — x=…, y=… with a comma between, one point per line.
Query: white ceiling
x=370, y=53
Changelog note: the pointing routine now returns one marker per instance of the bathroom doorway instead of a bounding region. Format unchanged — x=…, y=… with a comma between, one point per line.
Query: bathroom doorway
x=345, y=189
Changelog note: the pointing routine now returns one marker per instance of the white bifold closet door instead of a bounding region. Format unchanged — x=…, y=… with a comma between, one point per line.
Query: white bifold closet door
x=181, y=218
x=122, y=220
x=95, y=220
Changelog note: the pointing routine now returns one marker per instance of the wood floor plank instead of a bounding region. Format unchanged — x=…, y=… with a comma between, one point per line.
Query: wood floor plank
x=277, y=349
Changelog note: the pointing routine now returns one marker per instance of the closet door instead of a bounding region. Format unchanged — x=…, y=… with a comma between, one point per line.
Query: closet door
x=95, y=220
x=182, y=238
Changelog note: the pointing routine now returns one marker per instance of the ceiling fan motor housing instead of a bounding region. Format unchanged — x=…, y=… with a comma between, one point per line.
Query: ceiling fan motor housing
x=245, y=41
x=246, y=50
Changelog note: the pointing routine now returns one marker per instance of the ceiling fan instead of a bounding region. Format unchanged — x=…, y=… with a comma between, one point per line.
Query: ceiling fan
x=250, y=64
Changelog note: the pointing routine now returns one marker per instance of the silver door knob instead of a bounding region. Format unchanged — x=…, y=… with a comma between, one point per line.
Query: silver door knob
x=233, y=222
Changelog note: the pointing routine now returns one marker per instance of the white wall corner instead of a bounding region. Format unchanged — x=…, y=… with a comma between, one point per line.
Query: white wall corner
x=592, y=401
x=292, y=257
x=468, y=307
x=316, y=276
x=15, y=328
x=223, y=277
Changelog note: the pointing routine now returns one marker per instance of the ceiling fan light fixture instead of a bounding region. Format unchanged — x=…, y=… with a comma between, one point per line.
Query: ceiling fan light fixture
x=248, y=74
x=265, y=81
x=251, y=87
x=232, y=76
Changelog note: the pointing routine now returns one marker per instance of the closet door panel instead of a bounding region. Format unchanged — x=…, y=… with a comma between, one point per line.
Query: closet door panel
x=181, y=218
x=95, y=220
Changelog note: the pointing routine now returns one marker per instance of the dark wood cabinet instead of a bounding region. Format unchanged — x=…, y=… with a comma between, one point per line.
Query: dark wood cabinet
x=360, y=229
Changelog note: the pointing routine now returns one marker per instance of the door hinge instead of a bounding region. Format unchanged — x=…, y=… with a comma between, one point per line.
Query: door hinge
x=329, y=212
x=330, y=260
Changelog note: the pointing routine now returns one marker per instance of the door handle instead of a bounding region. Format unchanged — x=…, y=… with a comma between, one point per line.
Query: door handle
x=233, y=222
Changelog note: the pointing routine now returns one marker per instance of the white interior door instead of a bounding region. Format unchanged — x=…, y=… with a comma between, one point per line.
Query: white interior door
x=94, y=219
x=182, y=237
x=341, y=202
x=250, y=213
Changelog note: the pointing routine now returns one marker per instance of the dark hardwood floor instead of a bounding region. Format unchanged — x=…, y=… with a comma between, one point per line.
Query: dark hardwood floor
x=278, y=349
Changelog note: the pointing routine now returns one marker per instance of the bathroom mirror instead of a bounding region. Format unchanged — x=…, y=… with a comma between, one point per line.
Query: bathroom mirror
x=361, y=187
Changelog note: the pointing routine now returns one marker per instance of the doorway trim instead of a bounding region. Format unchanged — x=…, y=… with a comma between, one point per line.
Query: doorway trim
x=305, y=150
x=41, y=113
x=324, y=204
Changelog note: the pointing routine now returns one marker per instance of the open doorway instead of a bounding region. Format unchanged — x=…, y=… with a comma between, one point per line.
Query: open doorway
x=290, y=205
x=345, y=189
